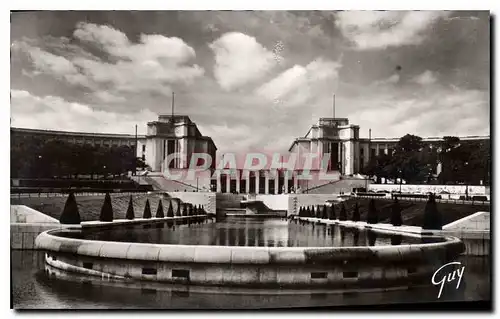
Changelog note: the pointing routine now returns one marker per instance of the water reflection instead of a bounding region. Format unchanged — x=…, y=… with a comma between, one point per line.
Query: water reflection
x=396, y=240
x=253, y=232
x=32, y=287
x=372, y=238
x=355, y=237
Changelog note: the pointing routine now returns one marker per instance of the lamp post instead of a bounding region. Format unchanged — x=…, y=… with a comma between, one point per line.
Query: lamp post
x=466, y=184
x=400, y=180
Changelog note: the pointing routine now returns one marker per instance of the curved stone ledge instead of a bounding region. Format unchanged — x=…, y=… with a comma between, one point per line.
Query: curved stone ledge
x=248, y=255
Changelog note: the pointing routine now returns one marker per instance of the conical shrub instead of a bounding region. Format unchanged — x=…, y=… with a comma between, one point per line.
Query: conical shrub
x=372, y=238
x=343, y=213
x=355, y=213
x=130, y=210
x=319, y=212
x=334, y=214
x=170, y=210
x=159, y=211
x=330, y=212
x=372, y=216
x=178, y=210
x=184, y=210
x=195, y=210
x=432, y=217
x=325, y=212
x=396, y=219
x=70, y=214
x=147, y=210
x=300, y=212
x=106, y=210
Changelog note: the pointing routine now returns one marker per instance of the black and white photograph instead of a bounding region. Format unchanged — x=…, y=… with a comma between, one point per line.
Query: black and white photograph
x=250, y=159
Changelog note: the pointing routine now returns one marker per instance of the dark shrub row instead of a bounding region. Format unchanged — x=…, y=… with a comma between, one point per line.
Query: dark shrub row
x=71, y=215
x=432, y=217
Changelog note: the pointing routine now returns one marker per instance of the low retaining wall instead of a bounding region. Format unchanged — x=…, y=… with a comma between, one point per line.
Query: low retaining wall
x=207, y=200
x=476, y=243
x=23, y=235
x=340, y=267
x=424, y=189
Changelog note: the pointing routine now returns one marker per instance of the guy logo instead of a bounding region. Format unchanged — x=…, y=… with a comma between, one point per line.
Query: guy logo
x=441, y=277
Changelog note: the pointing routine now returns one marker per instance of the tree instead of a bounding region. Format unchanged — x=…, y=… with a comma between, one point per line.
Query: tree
x=70, y=214
x=301, y=211
x=170, y=209
x=355, y=213
x=432, y=216
x=130, y=210
x=147, y=210
x=396, y=219
x=319, y=213
x=372, y=216
x=184, y=210
x=159, y=211
x=178, y=210
x=333, y=212
x=325, y=212
x=342, y=215
x=106, y=210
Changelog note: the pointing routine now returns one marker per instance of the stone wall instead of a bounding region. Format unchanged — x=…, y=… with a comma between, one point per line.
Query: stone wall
x=275, y=202
x=479, y=221
x=301, y=200
x=334, y=267
x=23, y=235
x=423, y=189
x=197, y=198
x=25, y=214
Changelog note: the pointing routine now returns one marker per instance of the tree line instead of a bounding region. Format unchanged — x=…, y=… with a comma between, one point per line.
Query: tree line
x=40, y=158
x=462, y=162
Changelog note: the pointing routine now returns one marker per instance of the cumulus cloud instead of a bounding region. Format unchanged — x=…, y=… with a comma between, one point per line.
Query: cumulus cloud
x=153, y=64
x=55, y=113
x=381, y=29
x=440, y=112
x=426, y=78
x=240, y=59
x=295, y=84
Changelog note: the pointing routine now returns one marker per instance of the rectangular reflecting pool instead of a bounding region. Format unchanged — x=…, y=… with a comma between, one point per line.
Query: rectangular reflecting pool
x=237, y=231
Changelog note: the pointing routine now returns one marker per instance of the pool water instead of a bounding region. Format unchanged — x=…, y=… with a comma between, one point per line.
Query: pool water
x=237, y=231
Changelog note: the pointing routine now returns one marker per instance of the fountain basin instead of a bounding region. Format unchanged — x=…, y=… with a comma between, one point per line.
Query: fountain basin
x=383, y=266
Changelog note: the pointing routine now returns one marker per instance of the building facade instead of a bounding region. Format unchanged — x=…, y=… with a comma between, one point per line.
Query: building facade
x=171, y=141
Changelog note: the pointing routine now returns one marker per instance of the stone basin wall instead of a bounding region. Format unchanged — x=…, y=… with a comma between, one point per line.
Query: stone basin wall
x=281, y=267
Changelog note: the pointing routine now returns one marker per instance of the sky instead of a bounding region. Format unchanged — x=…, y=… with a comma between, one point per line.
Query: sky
x=252, y=80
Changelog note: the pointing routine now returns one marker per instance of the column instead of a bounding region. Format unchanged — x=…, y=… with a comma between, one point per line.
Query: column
x=238, y=174
x=267, y=183
x=276, y=182
x=295, y=182
x=247, y=181
x=228, y=183
x=217, y=175
x=286, y=182
x=386, y=150
x=257, y=180
x=377, y=151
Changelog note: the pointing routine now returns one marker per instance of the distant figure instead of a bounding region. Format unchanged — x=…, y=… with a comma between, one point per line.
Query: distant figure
x=283, y=190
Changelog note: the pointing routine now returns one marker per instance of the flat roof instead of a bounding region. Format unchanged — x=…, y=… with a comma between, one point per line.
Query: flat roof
x=74, y=133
